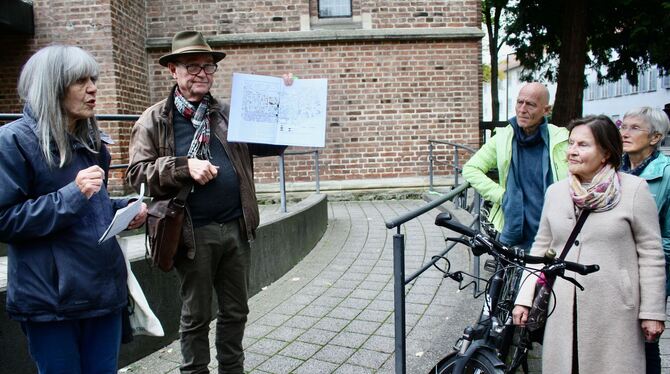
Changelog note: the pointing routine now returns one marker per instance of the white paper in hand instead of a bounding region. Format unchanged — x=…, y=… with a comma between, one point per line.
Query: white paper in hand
x=123, y=217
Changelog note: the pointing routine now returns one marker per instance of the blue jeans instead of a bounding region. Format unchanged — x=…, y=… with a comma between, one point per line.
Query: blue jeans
x=79, y=346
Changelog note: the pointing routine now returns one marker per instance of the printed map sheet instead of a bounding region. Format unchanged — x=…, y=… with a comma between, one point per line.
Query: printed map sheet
x=264, y=110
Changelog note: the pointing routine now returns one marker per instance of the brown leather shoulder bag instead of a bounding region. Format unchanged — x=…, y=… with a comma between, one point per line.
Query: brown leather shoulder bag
x=165, y=219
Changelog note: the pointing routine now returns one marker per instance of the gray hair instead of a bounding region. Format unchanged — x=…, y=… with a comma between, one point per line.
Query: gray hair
x=43, y=85
x=656, y=118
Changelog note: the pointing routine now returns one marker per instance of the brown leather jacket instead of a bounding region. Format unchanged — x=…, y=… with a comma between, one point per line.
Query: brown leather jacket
x=153, y=161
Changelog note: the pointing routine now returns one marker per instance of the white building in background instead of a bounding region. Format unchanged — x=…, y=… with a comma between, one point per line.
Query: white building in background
x=509, y=86
x=610, y=98
x=614, y=99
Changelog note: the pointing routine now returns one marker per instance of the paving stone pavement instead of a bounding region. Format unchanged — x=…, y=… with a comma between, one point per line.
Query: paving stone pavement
x=333, y=312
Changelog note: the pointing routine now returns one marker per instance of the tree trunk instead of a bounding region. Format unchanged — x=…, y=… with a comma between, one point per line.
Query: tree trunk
x=570, y=87
x=495, y=102
x=493, y=28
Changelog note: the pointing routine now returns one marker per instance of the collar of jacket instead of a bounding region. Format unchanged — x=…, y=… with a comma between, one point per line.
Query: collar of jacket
x=29, y=117
x=656, y=167
x=166, y=112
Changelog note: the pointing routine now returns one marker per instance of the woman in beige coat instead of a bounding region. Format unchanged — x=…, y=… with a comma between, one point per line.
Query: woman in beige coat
x=603, y=328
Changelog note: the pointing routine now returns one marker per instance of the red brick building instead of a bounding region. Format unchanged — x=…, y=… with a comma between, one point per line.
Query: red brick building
x=399, y=72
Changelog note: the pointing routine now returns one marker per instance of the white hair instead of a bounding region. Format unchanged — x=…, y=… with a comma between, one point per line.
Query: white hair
x=656, y=118
x=42, y=86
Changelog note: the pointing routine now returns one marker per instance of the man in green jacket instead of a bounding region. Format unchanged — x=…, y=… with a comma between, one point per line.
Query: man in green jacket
x=529, y=155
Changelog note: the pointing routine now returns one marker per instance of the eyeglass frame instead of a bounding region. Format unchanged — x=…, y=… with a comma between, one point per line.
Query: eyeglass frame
x=200, y=68
x=633, y=129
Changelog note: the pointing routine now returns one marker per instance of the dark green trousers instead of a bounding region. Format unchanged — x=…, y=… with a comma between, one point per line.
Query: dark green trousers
x=221, y=266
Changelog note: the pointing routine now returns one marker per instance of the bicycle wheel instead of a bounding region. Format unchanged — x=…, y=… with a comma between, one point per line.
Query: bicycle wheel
x=479, y=363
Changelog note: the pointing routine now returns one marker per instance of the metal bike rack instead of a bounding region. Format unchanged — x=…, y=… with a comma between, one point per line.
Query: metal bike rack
x=399, y=280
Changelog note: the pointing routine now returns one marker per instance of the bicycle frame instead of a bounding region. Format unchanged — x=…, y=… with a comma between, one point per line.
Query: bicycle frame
x=487, y=338
x=487, y=334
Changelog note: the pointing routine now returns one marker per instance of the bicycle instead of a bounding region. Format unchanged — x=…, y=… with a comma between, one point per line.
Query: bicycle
x=487, y=347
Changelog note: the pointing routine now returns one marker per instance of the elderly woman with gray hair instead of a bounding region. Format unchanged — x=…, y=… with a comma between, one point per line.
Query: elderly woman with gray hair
x=642, y=132
x=67, y=291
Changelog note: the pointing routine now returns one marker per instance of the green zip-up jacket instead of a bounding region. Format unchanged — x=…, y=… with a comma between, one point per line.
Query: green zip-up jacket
x=497, y=153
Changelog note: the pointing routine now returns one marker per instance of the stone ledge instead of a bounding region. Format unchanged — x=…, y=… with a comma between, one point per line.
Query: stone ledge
x=355, y=189
x=415, y=34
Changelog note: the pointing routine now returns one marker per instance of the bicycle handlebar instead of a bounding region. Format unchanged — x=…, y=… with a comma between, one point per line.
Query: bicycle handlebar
x=444, y=220
x=553, y=265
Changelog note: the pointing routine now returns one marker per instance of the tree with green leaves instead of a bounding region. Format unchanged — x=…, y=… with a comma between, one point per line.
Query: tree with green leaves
x=492, y=11
x=622, y=36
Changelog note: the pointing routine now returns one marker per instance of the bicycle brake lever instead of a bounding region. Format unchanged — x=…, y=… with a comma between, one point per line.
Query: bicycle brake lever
x=574, y=281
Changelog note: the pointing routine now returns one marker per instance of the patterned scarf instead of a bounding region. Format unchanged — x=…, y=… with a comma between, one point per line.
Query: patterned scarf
x=602, y=194
x=200, y=119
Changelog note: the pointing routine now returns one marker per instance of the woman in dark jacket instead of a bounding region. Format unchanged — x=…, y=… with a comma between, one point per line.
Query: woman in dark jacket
x=65, y=289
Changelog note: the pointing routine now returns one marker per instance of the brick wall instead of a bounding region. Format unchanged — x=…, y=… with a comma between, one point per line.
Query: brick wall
x=421, y=14
x=386, y=98
x=383, y=103
x=130, y=77
x=82, y=23
x=164, y=18
x=16, y=48
x=114, y=33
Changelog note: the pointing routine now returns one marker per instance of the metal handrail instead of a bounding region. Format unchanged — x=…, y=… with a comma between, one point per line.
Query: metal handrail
x=282, y=180
x=99, y=117
x=396, y=222
x=456, y=161
x=399, y=280
x=135, y=117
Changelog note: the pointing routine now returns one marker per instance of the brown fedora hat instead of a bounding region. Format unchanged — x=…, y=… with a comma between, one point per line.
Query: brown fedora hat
x=189, y=42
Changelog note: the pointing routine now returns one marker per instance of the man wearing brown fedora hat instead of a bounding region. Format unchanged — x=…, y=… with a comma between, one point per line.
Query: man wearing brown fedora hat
x=179, y=142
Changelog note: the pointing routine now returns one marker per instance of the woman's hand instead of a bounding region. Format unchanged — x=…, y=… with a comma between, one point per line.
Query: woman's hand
x=652, y=329
x=139, y=219
x=288, y=78
x=89, y=180
x=520, y=315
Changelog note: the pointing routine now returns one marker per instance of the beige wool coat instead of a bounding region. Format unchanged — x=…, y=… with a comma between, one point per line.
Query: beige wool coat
x=626, y=242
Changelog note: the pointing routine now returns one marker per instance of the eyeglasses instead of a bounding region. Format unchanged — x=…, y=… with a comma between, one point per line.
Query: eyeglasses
x=634, y=128
x=195, y=69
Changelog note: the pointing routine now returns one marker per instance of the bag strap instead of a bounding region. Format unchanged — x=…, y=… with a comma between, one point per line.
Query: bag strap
x=183, y=194
x=574, y=233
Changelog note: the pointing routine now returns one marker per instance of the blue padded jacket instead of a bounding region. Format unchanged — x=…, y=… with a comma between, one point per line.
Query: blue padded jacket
x=56, y=269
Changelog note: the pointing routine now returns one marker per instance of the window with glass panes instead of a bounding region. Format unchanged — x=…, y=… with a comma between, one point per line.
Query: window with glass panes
x=653, y=78
x=618, y=89
x=334, y=8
